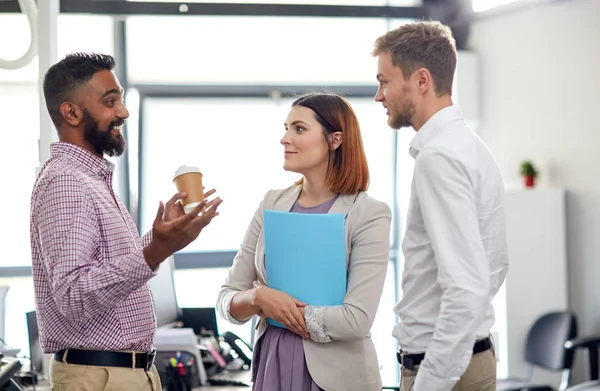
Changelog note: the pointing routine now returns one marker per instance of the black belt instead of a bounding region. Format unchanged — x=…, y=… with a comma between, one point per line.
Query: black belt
x=107, y=359
x=409, y=361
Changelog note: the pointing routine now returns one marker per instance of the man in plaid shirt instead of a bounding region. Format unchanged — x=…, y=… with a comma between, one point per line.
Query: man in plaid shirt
x=90, y=267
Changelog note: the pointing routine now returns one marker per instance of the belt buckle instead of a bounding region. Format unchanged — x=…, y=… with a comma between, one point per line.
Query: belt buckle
x=150, y=356
x=405, y=362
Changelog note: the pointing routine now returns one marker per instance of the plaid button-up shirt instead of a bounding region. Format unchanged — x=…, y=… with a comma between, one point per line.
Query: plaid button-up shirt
x=89, y=272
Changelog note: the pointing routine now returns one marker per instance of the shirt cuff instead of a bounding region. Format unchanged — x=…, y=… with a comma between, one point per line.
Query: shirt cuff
x=315, y=322
x=427, y=381
x=139, y=268
x=146, y=239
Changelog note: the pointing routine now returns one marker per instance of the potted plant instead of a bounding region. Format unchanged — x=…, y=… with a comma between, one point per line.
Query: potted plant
x=529, y=173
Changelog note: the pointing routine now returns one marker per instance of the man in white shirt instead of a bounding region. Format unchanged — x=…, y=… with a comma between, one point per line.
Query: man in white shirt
x=455, y=245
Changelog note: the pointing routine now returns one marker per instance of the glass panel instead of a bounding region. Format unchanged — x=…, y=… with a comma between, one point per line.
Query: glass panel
x=395, y=23
x=252, y=50
x=379, y=143
x=242, y=158
x=381, y=332
x=200, y=288
x=16, y=26
x=499, y=332
x=484, y=5
x=75, y=33
x=85, y=33
x=19, y=301
x=18, y=109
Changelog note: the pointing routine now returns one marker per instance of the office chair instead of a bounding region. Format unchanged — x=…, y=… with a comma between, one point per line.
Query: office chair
x=545, y=347
x=592, y=344
x=587, y=386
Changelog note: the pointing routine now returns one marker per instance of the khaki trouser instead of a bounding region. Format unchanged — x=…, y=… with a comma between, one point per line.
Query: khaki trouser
x=479, y=376
x=73, y=377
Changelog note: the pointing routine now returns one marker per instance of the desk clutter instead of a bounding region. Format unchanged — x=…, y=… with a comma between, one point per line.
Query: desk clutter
x=178, y=372
x=9, y=367
x=192, y=353
x=220, y=363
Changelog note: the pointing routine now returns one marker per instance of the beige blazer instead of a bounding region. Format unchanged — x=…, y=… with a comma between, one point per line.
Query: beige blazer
x=348, y=362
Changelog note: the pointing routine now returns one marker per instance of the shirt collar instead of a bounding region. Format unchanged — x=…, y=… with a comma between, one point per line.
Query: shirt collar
x=82, y=156
x=432, y=127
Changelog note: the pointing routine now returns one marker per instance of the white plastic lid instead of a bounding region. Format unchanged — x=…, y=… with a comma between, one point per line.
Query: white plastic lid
x=186, y=170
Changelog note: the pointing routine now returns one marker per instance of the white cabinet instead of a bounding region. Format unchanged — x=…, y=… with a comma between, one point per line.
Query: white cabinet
x=537, y=278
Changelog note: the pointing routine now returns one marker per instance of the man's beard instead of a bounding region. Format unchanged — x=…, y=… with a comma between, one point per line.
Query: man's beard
x=103, y=142
x=402, y=119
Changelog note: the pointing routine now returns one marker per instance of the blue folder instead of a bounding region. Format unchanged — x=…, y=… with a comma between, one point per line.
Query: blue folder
x=305, y=256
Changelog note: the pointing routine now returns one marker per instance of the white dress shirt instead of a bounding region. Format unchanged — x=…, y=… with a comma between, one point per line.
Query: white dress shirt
x=455, y=249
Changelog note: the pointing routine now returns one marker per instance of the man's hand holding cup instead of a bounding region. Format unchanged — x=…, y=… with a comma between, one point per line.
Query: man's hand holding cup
x=182, y=219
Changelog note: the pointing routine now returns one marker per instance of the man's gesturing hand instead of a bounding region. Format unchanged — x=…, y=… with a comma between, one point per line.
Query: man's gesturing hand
x=171, y=236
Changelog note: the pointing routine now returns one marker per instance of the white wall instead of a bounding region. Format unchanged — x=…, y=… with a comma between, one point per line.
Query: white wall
x=540, y=88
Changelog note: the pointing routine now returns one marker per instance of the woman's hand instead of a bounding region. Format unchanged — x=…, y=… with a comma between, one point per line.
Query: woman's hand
x=282, y=308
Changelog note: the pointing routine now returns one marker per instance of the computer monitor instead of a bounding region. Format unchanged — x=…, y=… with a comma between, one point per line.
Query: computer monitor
x=202, y=320
x=163, y=290
x=35, y=348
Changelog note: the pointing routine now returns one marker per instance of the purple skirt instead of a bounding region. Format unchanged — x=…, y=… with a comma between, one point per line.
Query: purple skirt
x=280, y=363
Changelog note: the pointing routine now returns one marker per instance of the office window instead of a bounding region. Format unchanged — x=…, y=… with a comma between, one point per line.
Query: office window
x=16, y=27
x=19, y=301
x=381, y=332
x=19, y=111
x=252, y=50
x=235, y=142
x=19, y=119
x=75, y=33
x=484, y=5
x=85, y=33
x=200, y=288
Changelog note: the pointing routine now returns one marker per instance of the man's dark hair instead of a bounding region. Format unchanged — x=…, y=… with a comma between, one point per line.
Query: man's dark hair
x=65, y=77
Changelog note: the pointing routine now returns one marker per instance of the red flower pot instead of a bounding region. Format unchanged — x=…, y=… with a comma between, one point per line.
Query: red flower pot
x=529, y=181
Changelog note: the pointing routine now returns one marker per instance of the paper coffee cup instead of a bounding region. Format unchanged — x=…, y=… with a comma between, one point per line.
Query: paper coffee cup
x=188, y=179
